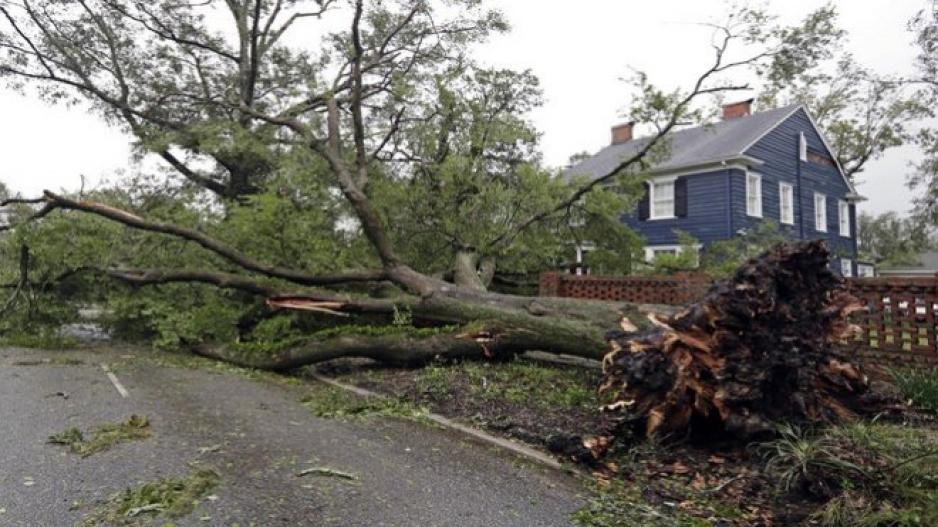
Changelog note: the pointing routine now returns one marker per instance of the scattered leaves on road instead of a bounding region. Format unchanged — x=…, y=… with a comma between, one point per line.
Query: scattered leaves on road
x=104, y=436
x=170, y=497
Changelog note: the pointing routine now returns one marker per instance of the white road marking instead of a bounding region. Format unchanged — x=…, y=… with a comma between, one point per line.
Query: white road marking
x=117, y=384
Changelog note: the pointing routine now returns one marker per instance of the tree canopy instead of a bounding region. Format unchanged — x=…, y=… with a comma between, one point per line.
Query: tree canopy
x=889, y=239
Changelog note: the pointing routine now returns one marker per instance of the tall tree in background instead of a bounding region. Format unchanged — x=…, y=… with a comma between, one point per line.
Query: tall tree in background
x=924, y=177
x=889, y=240
x=468, y=171
x=862, y=113
x=351, y=113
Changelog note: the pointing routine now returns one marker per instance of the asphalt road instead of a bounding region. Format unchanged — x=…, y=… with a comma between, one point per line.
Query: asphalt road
x=257, y=436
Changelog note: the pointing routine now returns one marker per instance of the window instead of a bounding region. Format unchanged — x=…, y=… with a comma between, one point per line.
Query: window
x=865, y=271
x=820, y=212
x=786, y=201
x=753, y=194
x=662, y=199
x=846, y=267
x=843, y=216
x=802, y=147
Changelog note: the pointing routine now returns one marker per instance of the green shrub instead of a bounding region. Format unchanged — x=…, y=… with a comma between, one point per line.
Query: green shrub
x=864, y=474
x=919, y=386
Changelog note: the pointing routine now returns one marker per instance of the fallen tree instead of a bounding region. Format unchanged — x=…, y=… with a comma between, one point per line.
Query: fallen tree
x=362, y=120
x=756, y=352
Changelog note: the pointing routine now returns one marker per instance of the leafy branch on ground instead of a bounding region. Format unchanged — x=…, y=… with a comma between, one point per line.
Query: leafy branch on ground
x=170, y=497
x=104, y=436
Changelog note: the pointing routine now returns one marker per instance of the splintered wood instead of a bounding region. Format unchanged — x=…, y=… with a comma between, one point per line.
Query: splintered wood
x=757, y=351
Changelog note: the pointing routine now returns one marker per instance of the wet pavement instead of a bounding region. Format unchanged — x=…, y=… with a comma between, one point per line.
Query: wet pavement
x=257, y=436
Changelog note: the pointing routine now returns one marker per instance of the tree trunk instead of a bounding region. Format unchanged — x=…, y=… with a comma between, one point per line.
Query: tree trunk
x=486, y=322
x=483, y=325
x=465, y=270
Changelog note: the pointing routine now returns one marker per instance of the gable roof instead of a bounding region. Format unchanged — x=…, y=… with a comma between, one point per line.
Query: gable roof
x=689, y=147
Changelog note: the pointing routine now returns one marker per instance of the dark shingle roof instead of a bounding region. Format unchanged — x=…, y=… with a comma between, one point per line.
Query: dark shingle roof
x=690, y=146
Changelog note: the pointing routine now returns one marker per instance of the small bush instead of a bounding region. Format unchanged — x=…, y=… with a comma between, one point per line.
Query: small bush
x=811, y=463
x=919, y=386
x=864, y=474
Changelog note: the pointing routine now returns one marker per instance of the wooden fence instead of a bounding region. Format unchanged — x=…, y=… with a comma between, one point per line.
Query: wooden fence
x=900, y=327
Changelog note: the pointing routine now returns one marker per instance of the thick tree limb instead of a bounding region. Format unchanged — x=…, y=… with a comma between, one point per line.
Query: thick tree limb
x=388, y=349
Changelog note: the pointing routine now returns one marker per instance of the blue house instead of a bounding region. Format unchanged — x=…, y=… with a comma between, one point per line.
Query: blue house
x=723, y=178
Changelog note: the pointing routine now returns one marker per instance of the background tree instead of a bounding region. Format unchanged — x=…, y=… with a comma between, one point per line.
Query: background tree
x=889, y=240
x=924, y=176
x=861, y=113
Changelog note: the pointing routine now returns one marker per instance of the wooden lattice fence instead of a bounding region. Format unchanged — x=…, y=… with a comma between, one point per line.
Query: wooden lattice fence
x=900, y=327
x=900, y=324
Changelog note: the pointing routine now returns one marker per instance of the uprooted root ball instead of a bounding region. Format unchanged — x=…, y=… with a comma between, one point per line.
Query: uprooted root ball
x=755, y=353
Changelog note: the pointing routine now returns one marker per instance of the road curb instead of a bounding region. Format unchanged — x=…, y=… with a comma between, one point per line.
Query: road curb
x=505, y=444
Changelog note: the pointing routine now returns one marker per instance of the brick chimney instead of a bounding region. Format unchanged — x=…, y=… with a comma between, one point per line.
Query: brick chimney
x=737, y=109
x=622, y=133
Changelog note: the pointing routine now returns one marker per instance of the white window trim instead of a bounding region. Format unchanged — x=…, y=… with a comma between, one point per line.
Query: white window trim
x=651, y=198
x=865, y=271
x=758, y=212
x=802, y=147
x=782, y=187
x=823, y=226
x=843, y=218
x=846, y=267
x=650, y=251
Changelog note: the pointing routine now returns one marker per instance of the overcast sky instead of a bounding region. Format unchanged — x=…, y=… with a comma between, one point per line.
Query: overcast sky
x=580, y=50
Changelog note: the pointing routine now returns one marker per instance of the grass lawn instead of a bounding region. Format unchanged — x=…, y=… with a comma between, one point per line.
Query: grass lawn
x=522, y=399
